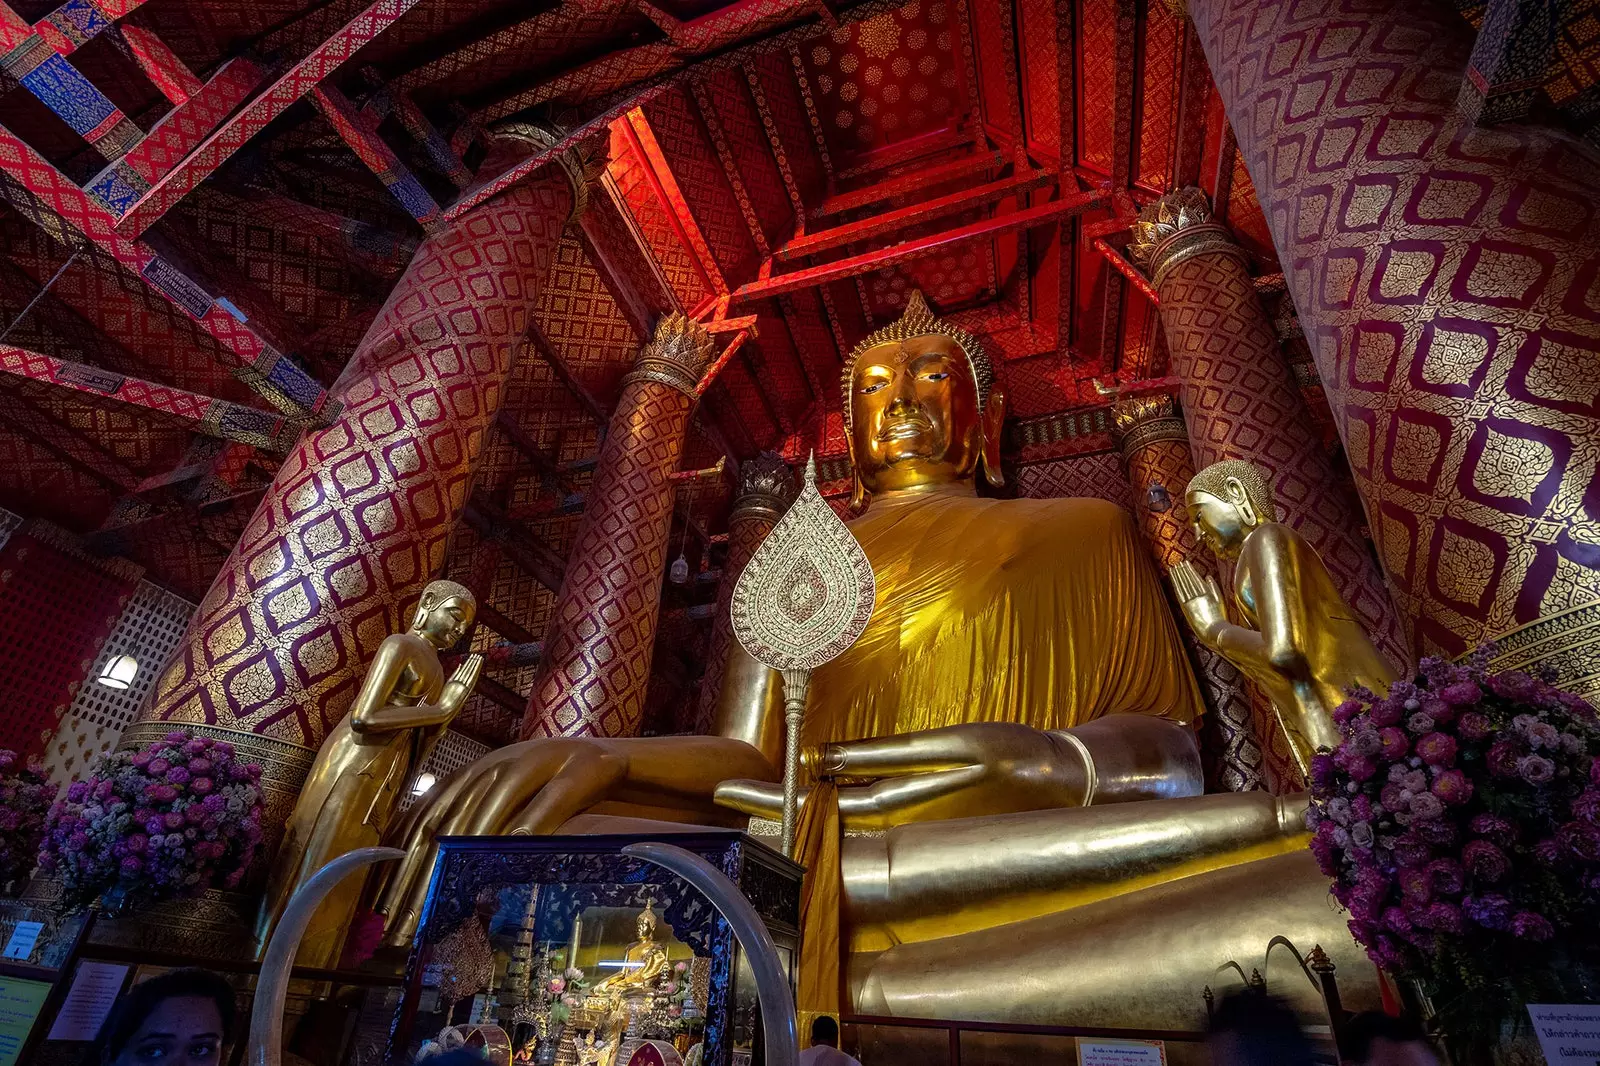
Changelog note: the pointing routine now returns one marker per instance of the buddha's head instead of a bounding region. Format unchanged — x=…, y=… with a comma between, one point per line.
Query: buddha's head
x=1227, y=501
x=921, y=407
x=647, y=920
x=444, y=614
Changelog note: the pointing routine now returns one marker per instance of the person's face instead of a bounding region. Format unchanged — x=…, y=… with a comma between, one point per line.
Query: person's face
x=444, y=624
x=1217, y=522
x=181, y=1031
x=1401, y=1053
x=914, y=414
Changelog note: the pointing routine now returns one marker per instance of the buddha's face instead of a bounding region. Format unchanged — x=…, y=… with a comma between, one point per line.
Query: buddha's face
x=1222, y=524
x=914, y=414
x=444, y=621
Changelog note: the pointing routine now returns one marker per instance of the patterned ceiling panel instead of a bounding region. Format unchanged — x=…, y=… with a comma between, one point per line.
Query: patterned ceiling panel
x=34, y=480
x=891, y=77
x=782, y=374
x=502, y=62
x=1247, y=221
x=1158, y=114
x=314, y=288
x=643, y=200
x=116, y=429
x=583, y=322
x=172, y=349
x=1041, y=96
x=777, y=98
x=733, y=116
x=687, y=148
x=1097, y=78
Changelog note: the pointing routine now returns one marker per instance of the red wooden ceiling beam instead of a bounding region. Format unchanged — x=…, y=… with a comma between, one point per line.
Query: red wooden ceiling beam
x=1121, y=265
x=849, y=267
x=910, y=184
x=192, y=411
x=250, y=120
x=51, y=201
x=894, y=221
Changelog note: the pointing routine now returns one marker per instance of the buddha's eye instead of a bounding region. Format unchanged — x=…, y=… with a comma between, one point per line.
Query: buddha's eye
x=936, y=375
x=867, y=390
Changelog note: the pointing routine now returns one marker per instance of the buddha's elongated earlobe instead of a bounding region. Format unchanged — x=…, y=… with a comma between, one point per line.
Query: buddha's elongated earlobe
x=858, y=491
x=994, y=416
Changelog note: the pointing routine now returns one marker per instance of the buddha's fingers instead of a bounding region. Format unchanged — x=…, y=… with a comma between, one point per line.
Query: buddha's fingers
x=927, y=751
x=759, y=799
x=414, y=835
x=580, y=783
x=922, y=797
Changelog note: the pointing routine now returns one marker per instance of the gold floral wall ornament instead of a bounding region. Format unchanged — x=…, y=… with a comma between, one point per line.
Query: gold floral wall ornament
x=803, y=599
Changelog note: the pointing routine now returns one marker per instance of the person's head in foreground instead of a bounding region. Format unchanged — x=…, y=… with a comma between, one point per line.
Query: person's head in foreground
x=1375, y=1039
x=181, y=1018
x=1254, y=1029
x=824, y=1030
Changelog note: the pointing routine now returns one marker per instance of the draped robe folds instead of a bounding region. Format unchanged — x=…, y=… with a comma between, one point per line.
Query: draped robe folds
x=1046, y=613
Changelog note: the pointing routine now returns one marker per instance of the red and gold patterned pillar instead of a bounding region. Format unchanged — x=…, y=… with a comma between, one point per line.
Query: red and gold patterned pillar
x=1155, y=450
x=765, y=489
x=1448, y=279
x=356, y=520
x=596, y=664
x=1240, y=399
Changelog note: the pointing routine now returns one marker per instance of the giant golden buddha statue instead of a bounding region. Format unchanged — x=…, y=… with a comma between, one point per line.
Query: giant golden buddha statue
x=1025, y=834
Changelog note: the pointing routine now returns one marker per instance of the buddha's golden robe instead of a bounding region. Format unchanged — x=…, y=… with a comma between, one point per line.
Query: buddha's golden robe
x=1042, y=612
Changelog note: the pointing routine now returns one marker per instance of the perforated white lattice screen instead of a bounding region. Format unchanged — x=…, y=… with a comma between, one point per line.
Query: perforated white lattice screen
x=149, y=629
x=451, y=753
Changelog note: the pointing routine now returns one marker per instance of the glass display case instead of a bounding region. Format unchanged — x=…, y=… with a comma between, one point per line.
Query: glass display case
x=562, y=951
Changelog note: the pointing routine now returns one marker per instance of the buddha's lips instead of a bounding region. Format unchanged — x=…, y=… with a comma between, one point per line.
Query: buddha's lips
x=904, y=429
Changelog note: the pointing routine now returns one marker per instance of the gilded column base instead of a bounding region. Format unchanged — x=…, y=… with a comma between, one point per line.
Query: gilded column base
x=1567, y=642
x=284, y=767
x=218, y=923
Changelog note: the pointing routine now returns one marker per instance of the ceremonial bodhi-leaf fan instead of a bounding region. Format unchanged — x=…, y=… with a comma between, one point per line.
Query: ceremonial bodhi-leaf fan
x=803, y=598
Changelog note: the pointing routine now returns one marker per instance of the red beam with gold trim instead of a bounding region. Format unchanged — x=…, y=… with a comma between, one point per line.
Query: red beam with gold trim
x=893, y=221
x=300, y=80
x=200, y=414
x=915, y=249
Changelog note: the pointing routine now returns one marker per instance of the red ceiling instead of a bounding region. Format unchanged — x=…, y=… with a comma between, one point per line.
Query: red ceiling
x=737, y=131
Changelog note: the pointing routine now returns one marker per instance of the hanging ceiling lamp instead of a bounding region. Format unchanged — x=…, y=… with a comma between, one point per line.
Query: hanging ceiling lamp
x=119, y=672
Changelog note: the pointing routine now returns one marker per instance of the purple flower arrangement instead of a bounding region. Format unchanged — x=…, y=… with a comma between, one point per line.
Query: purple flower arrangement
x=177, y=817
x=25, y=795
x=1459, y=818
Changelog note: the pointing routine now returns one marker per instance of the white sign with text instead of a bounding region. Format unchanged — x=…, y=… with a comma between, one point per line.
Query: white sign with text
x=1121, y=1052
x=1569, y=1033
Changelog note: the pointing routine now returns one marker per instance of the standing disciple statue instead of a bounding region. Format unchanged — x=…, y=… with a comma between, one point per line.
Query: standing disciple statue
x=368, y=763
x=1020, y=680
x=1303, y=644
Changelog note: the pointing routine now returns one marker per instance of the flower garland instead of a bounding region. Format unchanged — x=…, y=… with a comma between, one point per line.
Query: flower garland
x=25, y=796
x=1460, y=820
x=172, y=819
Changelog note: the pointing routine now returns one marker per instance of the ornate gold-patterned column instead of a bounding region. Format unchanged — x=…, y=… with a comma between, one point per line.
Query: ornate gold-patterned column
x=732, y=676
x=596, y=664
x=1155, y=449
x=1240, y=399
x=1448, y=279
x=356, y=520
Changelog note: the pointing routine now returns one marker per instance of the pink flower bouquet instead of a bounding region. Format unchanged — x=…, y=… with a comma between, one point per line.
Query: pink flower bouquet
x=25, y=795
x=1459, y=818
x=178, y=817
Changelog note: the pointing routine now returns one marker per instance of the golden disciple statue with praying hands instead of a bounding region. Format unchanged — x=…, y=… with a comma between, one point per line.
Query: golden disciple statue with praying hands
x=369, y=761
x=1307, y=647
